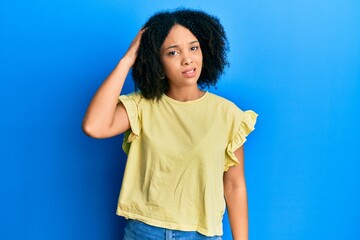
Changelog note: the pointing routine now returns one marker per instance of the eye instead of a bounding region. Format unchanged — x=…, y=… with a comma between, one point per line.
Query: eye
x=172, y=53
x=194, y=48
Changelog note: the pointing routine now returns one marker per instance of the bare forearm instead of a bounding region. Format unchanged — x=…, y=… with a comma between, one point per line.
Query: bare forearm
x=104, y=117
x=236, y=201
x=101, y=110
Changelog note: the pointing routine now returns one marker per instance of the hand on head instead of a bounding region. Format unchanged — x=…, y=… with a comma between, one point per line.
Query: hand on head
x=132, y=52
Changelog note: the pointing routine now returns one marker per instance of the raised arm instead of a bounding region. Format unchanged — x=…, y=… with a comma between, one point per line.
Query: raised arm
x=104, y=116
x=236, y=198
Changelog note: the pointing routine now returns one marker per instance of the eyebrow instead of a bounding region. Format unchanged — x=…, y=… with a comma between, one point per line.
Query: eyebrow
x=175, y=46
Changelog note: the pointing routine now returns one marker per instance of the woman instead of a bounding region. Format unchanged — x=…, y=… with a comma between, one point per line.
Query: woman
x=184, y=144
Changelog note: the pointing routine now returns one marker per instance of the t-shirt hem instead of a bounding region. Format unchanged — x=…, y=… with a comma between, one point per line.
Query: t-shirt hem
x=168, y=225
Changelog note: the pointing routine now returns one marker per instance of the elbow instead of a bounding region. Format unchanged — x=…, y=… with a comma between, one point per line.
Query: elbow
x=87, y=129
x=236, y=187
x=90, y=130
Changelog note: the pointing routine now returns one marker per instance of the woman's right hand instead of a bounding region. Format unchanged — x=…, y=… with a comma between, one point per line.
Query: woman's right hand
x=131, y=54
x=105, y=117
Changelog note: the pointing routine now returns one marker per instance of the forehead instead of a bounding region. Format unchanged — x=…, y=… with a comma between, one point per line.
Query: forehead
x=179, y=34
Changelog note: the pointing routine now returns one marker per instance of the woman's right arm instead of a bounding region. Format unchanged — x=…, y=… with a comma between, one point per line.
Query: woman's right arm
x=104, y=116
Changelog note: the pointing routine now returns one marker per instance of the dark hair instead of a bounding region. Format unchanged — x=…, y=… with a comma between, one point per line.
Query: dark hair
x=148, y=72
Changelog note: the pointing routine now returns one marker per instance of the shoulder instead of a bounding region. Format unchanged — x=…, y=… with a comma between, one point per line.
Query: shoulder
x=223, y=103
x=136, y=97
x=231, y=111
x=234, y=116
x=133, y=95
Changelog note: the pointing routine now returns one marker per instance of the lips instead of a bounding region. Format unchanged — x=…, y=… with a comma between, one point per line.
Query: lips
x=189, y=72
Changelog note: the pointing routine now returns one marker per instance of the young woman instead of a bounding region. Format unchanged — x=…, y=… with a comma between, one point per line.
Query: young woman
x=184, y=144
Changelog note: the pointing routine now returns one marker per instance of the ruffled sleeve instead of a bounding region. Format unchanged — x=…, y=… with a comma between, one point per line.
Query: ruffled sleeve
x=131, y=103
x=244, y=128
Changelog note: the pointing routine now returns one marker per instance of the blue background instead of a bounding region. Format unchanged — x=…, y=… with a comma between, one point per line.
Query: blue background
x=297, y=63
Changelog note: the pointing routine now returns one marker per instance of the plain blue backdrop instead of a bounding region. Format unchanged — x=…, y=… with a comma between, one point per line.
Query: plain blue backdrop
x=296, y=63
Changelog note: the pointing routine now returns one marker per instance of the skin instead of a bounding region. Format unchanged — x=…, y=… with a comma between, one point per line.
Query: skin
x=181, y=58
x=236, y=198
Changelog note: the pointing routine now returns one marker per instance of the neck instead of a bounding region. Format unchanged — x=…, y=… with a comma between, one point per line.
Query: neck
x=185, y=94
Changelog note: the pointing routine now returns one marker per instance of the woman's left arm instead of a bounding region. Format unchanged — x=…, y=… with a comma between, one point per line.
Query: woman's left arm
x=236, y=198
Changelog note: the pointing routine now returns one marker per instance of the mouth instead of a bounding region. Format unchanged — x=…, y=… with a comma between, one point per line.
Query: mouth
x=189, y=72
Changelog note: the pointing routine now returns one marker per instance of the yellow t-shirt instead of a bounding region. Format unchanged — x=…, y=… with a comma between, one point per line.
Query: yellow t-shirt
x=177, y=154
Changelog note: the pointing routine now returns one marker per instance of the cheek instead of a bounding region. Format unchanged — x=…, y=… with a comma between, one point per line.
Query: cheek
x=169, y=66
x=166, y=67
x=199, y=57
x=200, y=60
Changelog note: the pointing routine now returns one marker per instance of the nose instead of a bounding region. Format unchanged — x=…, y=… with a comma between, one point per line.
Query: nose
x=186, y=60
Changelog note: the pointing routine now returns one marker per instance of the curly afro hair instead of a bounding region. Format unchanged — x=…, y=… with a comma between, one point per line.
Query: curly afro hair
x=148, y=72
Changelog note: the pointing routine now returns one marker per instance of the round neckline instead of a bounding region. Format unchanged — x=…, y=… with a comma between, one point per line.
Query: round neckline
x=166, y=97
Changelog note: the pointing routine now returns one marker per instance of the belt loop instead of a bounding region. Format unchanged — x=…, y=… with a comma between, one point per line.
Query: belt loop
x=168, y=234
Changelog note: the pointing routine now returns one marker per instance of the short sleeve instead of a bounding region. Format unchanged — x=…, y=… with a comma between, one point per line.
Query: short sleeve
x=131, y=103
x=244, y=126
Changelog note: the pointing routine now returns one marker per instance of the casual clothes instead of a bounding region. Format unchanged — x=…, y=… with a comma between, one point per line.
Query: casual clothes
x=177, y=155
x=135, y=230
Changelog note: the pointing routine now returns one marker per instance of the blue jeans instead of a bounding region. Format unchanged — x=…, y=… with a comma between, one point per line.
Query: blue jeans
x=136, y=230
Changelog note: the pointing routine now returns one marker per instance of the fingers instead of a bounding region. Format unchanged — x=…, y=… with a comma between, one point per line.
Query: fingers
x=139, y=35
x=136, y=42
x=134, y=46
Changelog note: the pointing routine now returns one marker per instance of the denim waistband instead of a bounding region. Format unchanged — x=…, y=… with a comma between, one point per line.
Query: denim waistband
x=137, y=230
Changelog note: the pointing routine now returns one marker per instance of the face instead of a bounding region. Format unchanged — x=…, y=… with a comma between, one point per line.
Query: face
x=181, y=57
